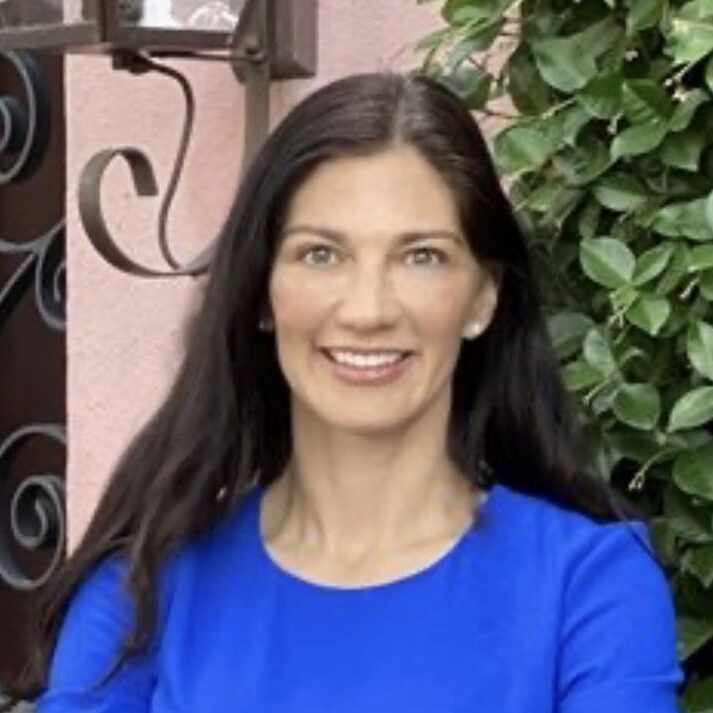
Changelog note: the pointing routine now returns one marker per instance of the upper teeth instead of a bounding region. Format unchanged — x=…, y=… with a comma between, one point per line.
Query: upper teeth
x=365, y=360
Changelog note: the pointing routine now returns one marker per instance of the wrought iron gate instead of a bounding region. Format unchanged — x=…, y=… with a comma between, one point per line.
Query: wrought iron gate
x=32, y=340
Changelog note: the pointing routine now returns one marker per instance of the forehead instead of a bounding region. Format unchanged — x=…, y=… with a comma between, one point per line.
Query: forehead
x=395, y=189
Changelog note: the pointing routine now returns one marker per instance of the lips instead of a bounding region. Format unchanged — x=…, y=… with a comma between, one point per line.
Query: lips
x=367, y=367
x=363, y=359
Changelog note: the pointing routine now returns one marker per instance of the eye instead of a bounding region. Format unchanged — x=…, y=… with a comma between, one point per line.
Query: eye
x=318, y=255
x=426, y=256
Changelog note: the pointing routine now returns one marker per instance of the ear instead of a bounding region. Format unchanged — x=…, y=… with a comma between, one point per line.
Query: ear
x=485, y=302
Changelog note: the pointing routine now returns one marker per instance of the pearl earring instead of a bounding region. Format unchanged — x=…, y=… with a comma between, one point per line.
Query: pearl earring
x=472, y=330
x=265, y=325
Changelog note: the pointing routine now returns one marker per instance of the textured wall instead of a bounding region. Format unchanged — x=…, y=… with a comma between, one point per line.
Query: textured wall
x=124, y=333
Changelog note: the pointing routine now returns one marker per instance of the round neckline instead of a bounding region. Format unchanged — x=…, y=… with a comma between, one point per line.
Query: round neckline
x=430, y=569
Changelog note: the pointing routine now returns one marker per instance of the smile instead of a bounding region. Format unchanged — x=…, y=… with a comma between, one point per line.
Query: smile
x=374, y=367
x=366, y=360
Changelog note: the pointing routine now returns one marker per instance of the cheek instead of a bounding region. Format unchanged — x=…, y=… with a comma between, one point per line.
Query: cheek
x=297, y=306
x=441, y=309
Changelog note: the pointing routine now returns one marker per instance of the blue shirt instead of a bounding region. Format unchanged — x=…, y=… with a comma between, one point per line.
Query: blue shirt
x=535, y=609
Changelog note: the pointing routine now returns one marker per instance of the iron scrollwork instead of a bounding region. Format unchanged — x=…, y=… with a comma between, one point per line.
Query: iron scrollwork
x=37, y=521
x=36, y=512
x=251, y=54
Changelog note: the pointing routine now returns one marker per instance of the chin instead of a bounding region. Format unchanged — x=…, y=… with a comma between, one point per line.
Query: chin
x=368, y=420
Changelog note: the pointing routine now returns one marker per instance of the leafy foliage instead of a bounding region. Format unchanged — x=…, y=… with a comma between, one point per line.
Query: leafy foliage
x=608, y=153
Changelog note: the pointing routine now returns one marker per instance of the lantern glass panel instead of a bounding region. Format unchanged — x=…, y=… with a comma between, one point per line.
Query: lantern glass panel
x=203, y=15
x=33, y=13
x=43, y=14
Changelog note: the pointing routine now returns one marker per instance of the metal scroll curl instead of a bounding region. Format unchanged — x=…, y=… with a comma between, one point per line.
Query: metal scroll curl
x=25, y=130
x=90, y=208
x=36, y=506
x=251, y=51
x=37, y=516
x=24, y=127
x=44, y=269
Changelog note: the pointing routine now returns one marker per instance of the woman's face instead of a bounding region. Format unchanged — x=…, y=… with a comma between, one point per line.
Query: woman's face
x=372, y=290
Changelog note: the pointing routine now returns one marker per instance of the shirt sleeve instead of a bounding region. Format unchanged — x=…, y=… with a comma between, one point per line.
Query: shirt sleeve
x=97, y=620
x=618, y=633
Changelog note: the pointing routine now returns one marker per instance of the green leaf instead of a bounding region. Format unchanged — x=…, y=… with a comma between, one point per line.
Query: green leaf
x=693, y=472
x=639, y=139
x=691, y=524
x=578, y=375
x=460, y=12
x=597, y=352
x=646, y=102
x=698, y=696
x=683, y=150
x=581, y=165
x=686, y=109
x=691, y=34
x=544, y=196
x=567, y=331
x=693, y=633
x=568, y=63
x=523, y=148
x=649, y=313
x=663, y=538
x=686, y=220
x=568, y=122
x=700, y=258
x=562, y=206
x=675, y=272
x=588, y=220
x=433, y=40
x=693, y=409
x=700, y=348
x=705, y=284
x=601, y=97
x=651, y=263
x=563, y=65
x=693, y=598
x=607, y=261
x=708, y=212
x=472, y=85
x=699, y=562
x=638, y=405
x=643, y=14
x=620, y=192
x=479, y=39
x=709, y=73
x=528, y=92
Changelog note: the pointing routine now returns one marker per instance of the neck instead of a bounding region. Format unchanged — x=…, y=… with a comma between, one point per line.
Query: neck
x=348, y=494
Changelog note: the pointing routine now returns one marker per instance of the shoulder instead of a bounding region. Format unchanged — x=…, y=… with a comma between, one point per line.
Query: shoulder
x=541, y=524
x=570, y=552
x=103, y=596
x=614, y=619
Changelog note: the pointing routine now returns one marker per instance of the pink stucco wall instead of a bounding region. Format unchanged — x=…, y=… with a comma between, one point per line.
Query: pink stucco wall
x=124, y=332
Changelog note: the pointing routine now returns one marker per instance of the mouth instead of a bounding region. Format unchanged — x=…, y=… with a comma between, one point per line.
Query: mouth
x=375, y=366
x=366, y=359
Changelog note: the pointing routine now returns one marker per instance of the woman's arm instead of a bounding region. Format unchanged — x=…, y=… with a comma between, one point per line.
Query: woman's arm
x=97, y=620
x=618, y=634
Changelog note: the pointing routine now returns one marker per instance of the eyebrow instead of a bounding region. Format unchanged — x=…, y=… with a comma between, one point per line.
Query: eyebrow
x=406, y=238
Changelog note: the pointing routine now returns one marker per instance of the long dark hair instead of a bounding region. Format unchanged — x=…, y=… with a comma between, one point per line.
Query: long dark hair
x=226, y=422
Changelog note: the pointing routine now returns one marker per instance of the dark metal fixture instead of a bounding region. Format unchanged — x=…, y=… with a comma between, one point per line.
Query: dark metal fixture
x=262, y=39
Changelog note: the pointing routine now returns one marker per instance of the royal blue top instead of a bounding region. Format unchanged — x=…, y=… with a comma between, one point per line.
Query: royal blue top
x=535, y=609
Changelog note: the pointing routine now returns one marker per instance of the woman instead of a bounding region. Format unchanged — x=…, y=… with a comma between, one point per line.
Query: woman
x=364, y=491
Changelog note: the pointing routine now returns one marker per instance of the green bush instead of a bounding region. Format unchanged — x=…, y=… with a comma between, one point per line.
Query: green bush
x=607, y=146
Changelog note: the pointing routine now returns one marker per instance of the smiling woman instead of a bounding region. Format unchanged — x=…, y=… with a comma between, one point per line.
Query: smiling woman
x=374, y=284
x=365, y=490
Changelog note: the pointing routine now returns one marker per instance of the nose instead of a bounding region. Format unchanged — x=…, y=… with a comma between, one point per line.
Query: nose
x=368, y=302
